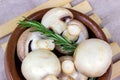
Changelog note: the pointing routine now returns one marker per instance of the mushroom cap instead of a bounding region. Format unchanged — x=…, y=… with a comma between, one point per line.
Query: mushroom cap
x=29, y=41
x=93, y=57
x=24, y=41
x=39, y=63
x=56, y=18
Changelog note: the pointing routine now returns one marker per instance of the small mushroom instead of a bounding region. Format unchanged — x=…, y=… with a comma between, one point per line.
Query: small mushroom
x=68, y=69
x=66, y=77
x=40, y=63
x=50, y=77
x=56, y=19
x=75, y=32
x=72, y=32
x=79, y=33
x=93, y=57
x=30, y=41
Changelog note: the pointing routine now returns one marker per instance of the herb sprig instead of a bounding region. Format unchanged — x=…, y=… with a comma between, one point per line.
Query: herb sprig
x=58, y=39
x=92, y=79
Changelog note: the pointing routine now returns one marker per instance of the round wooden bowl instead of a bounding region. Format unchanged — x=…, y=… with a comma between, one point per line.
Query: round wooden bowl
x=13, y=64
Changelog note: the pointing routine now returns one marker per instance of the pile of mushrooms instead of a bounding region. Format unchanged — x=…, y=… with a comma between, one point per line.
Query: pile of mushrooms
x=61, y=21
x=92, y=57
x=30, y=41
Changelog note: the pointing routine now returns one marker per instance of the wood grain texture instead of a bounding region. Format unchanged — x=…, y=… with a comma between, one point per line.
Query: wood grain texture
x=4, y=45
x=68, y=5
x=96, y=18
x=107, y=33
x=115, y=48
x=115, y=70
x=9, y=27
x=83, y=7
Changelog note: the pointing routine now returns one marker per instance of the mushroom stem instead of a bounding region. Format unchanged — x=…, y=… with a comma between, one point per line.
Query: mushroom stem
x=43, y=44
x=78, y=76
x=72, y=32
x=50, y=77
x=66, y=77
x=68, y=67
x=58, y=27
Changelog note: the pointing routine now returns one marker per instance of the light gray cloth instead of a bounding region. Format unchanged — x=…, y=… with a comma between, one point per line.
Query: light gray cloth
x=108, y=10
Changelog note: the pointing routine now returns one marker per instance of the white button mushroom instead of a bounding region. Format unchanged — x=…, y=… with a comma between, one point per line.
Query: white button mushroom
x=40, y=63
x=56, y=19
x=69, y=71
x=29, y=41
x=93, y=57
x=81, y=34
x=50, y=77
x=76, y=32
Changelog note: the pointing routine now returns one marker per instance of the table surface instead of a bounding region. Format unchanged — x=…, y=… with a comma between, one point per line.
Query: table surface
x=108, y=10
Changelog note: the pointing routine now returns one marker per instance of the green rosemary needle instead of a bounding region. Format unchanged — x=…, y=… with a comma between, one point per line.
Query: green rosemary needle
x=58, y=39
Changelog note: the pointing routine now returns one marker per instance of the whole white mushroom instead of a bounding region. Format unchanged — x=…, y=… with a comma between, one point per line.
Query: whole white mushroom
x=40, y=63
x=68, y=70
x=76, y=31
x=56, y=19
x=30, y=41
x=93, y=57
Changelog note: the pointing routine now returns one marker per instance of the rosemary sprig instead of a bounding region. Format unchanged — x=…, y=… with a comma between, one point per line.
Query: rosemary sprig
x=59, y=40
x=92, y=78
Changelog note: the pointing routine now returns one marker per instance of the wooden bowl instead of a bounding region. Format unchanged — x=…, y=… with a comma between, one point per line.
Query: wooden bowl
x=13, y=64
